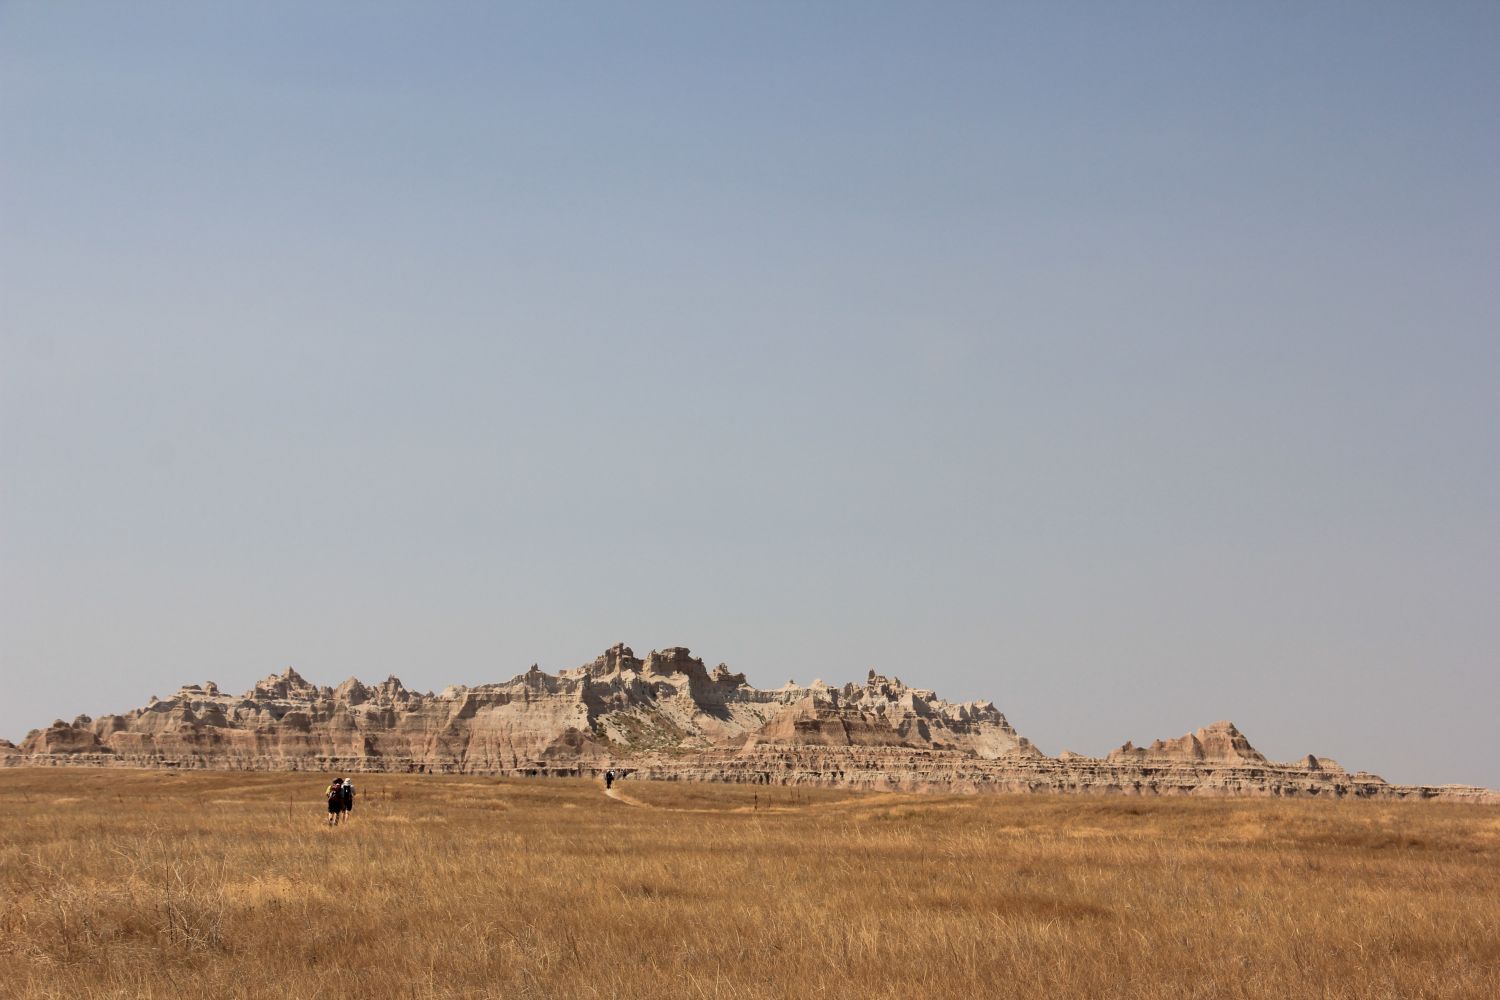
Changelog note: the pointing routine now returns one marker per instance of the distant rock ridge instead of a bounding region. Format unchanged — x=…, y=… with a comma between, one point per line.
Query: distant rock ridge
x=668, y=716
x=1218, y=742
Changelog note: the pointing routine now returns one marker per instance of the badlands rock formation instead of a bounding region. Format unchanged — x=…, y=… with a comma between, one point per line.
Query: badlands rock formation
x=667, y=717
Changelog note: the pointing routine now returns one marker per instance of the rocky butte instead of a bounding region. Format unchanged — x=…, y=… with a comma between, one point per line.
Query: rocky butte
x=669, y=717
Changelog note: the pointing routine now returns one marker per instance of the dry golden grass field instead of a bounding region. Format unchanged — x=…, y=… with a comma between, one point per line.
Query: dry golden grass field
x=152, y=884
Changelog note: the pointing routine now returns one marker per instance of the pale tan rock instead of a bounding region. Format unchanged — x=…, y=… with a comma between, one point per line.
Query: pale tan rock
x=1218, y=742
x=668, y=717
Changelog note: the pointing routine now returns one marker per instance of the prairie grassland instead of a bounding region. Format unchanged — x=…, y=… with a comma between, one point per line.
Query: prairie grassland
x=150, y=884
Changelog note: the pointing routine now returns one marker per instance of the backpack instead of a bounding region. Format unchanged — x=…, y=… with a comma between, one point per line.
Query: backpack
x=336, y=795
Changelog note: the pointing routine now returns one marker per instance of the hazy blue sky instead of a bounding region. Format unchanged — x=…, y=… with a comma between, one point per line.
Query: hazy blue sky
x=1131, y=365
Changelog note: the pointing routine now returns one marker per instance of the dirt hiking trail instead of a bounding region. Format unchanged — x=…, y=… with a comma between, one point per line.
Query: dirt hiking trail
x=861, y=803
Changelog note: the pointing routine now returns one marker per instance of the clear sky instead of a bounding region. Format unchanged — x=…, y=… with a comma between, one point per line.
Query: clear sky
x=1131, y=365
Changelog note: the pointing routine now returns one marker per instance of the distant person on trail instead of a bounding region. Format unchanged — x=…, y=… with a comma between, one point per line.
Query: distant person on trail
x=335, y=801
x=349, y=797
x=609, y=779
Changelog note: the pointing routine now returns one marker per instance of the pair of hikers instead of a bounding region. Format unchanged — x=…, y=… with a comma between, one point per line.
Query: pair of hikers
x=609, y=779
x=340, y=799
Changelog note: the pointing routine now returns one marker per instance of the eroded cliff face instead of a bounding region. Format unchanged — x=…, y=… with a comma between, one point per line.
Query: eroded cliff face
x=667, y=716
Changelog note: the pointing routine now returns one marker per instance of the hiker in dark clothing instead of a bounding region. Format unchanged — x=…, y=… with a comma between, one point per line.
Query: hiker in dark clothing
x=335, y=801
x=609, y=780
x=349, y=798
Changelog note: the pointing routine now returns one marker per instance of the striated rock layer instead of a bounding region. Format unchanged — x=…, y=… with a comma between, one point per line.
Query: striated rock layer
x=669, y=717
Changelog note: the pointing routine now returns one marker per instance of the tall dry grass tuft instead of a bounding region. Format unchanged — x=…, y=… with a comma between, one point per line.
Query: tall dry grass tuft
x=149, y=884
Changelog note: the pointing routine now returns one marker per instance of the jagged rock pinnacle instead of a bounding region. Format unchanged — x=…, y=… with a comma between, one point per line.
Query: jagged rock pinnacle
x=667, y=715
